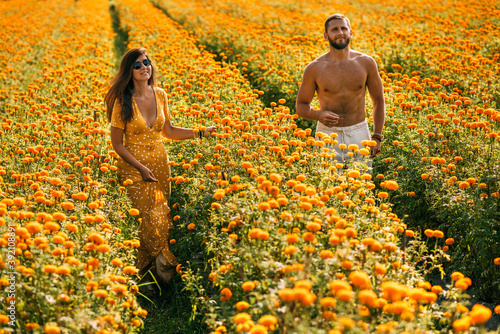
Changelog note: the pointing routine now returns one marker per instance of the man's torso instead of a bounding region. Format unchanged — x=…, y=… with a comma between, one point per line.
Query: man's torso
x=341, y=87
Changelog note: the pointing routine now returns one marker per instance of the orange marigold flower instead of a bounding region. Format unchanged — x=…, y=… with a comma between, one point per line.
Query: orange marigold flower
x=52, y=226
x=50, y=268
x=129, y=270
x=264, y=206
x=346, y=322
x=437, y=289
x=19, y=201
x=360, y=279
x=63, y=270
x=133, y=212
x=347, y=264
x=268, y=320
x=119, y=289
x=480, y=314
x=438, y=234
x=52, y=329
x=383, y=194
x=327, y=302
x=248, y=286
x=242, y=305
x=117, y=262
x=292, y=238
x=463, y=324
x=368, y=297
x=225, y=294
x=67, y=205
x=241, y=318
x=258, y=329
x=391, y=185
x=457, y=275
x=101, y=293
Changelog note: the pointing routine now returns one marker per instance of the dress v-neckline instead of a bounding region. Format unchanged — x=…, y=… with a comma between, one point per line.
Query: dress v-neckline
x=140, y=112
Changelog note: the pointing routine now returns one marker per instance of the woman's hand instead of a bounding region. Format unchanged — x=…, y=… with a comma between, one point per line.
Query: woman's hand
x=208, y=131
x=147, y=174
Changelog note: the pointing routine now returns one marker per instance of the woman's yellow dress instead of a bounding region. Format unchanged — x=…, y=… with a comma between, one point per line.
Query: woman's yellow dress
x=145, y=143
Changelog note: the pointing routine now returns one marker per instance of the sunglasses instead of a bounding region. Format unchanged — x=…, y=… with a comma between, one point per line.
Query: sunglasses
x=137, y=65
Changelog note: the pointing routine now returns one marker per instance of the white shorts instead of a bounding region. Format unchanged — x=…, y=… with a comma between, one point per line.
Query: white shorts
x=348, y=135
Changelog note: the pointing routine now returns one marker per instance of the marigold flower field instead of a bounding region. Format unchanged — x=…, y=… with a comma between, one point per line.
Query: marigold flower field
x=271, y=234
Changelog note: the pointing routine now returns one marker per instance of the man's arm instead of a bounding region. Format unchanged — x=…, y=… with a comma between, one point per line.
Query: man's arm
x=376, y=91
x=305, y=96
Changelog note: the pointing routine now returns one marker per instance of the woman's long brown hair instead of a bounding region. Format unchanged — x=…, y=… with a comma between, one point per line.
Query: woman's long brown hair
x=122, y=85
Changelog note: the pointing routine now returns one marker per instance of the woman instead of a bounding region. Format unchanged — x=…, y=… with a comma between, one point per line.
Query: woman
x=139, y=115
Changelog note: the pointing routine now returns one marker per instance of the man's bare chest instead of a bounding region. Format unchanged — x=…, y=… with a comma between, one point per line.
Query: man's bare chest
x=335, y=78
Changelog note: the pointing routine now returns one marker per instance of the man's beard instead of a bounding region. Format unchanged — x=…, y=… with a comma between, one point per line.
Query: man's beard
x=340, y=44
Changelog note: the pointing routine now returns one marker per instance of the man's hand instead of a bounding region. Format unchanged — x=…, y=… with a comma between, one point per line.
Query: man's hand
x=376, y=148
x=328, y=118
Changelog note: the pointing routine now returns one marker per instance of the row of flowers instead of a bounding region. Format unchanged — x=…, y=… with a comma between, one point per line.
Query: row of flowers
x=67, y=245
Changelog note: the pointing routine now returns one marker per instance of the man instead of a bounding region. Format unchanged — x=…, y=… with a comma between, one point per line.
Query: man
x=340, y=78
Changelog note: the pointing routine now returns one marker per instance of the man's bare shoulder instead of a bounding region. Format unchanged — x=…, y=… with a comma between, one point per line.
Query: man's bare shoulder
x=316, y=65
x=362, y=58
x=317, y=62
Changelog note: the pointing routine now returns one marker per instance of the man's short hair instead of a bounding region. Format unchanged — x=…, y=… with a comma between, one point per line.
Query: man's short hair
x=336, y=17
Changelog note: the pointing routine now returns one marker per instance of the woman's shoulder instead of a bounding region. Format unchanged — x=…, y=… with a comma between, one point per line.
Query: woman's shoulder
x=160, y=91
